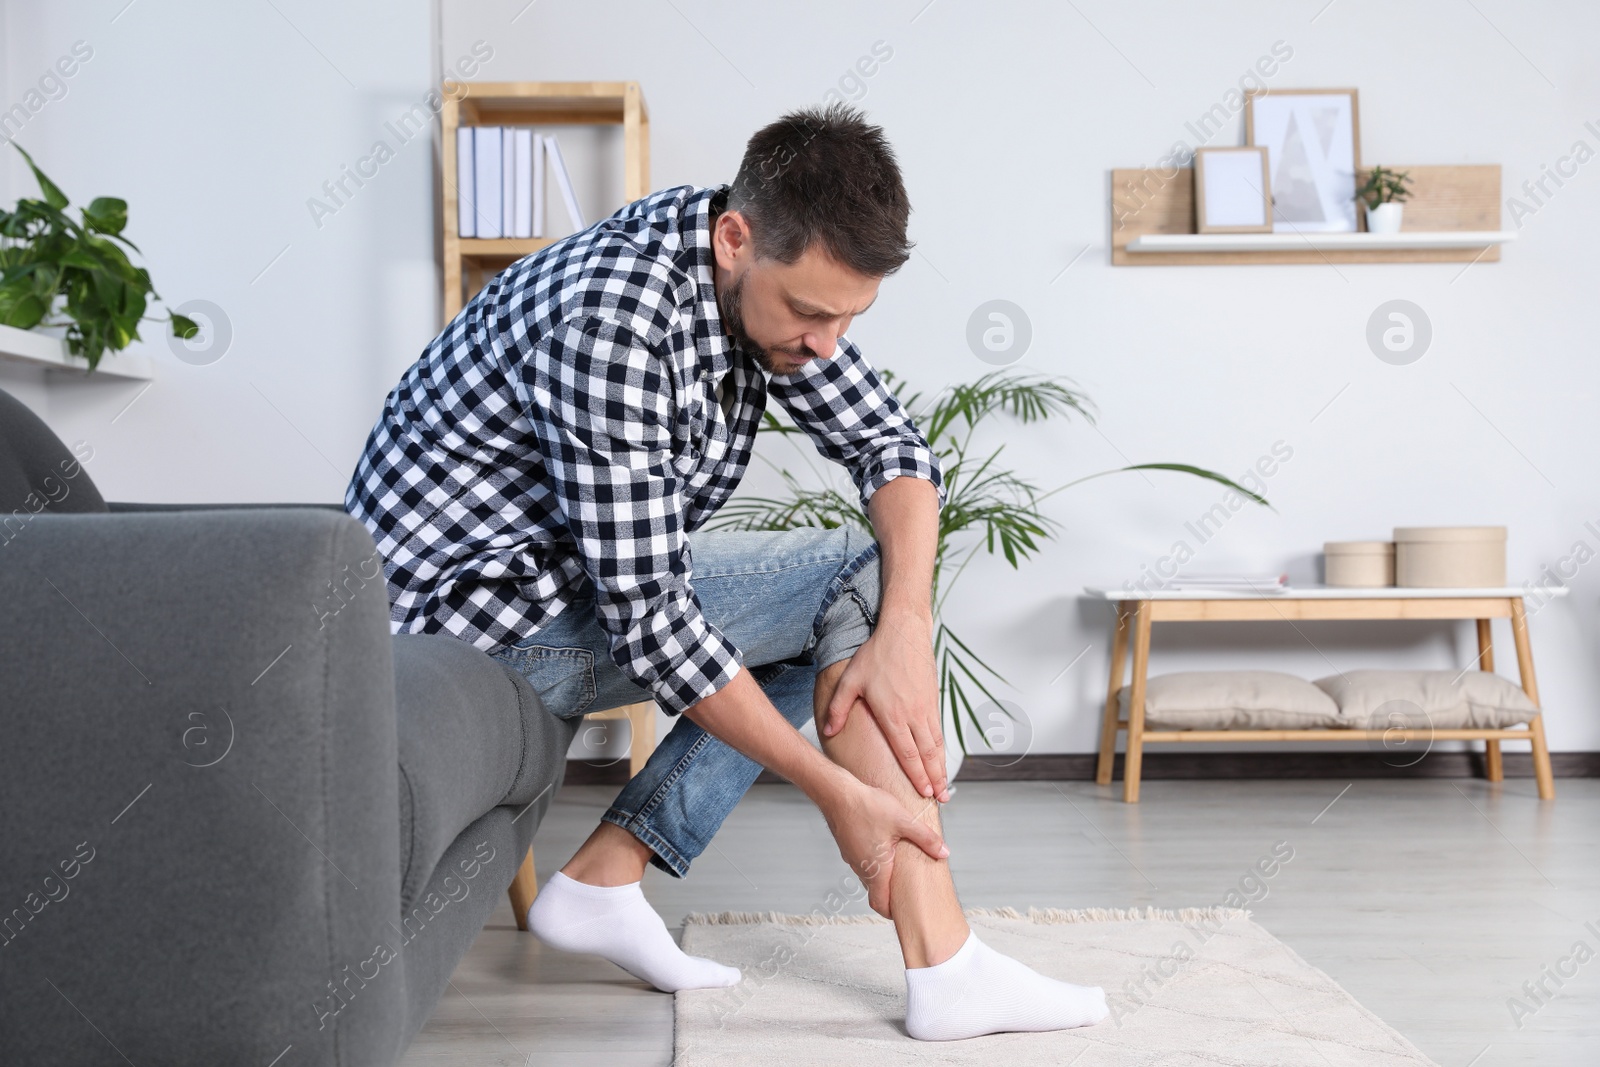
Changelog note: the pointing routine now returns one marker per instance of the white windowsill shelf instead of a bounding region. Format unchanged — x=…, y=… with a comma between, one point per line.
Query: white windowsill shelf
x=30, y=348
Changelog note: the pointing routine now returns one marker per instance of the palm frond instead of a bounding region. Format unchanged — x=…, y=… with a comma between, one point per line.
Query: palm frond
x=1025, y=397
x=956, y=662
x=1181, y=468
x=1209, y=475
x=998, y=504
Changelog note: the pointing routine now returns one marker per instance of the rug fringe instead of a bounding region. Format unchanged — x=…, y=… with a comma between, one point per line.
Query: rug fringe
x=1215, y=913
x=1037, y=915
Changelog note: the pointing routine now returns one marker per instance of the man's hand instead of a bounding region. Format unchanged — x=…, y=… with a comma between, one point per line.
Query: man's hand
x=867, y=823
x=893, y=674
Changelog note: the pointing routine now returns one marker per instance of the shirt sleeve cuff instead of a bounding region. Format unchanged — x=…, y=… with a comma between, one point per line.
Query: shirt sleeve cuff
x=697, y=661
x=911, y=461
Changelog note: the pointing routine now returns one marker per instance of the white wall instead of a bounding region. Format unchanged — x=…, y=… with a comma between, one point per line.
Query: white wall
x=1007, y=118
x=217, y=123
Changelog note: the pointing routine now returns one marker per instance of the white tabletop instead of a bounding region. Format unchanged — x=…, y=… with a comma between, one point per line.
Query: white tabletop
x=1319, y=592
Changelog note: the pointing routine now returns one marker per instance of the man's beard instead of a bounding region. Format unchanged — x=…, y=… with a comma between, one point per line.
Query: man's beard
x=731, y=304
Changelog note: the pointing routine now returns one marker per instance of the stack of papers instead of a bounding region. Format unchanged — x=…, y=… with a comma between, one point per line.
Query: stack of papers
x=1231, y=583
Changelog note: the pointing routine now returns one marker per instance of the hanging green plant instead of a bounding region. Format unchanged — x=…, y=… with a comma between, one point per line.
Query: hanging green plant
x=58, y=272
x=987, y=508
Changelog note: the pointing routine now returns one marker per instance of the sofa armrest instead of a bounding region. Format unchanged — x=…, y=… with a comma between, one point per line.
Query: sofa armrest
x=198, y=775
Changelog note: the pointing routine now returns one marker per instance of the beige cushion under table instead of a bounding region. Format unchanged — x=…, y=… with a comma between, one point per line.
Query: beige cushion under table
x=1439, y=700
x=1234, y=700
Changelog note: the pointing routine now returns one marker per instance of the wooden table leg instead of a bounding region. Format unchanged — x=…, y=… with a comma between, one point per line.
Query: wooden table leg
x=524, y=887
x=1491, y=748
x=1541, y=752
x=1134, y=759
x=1108, y=725
x=1541, y=760
x=1485, y=646
x=642, y=739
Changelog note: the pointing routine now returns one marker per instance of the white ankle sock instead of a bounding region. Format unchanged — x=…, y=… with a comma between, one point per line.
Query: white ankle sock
x=618, y=923
x=979, y=991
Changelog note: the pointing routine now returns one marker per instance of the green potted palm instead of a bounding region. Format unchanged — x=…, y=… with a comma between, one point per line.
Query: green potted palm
x=59, y=272
x=989, y=509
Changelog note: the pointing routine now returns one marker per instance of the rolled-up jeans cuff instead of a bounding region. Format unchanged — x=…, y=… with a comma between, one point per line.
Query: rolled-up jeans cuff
x=849, y=611
x=664, y=855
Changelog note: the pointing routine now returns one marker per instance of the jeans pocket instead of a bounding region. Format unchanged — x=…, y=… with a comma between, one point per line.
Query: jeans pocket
x=563, y=677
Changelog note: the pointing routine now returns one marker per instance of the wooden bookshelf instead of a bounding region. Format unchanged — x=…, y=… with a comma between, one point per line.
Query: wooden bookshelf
x=1150, y=208
x=470, y=262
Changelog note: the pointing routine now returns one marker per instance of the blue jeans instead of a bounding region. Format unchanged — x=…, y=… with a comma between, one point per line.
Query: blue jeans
x=792, y=602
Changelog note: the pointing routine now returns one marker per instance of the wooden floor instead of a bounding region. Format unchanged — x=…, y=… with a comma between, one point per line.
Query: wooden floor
x=1431, y=901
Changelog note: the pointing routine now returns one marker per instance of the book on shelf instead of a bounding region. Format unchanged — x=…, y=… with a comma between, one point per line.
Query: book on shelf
x=486, y=142
x=538, y=184
x=501, y=182
x=569, y=197
x=466, y=201
x=508, y=182
x=522, y=184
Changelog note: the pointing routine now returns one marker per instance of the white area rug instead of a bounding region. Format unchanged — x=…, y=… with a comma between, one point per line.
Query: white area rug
x=1191, y=987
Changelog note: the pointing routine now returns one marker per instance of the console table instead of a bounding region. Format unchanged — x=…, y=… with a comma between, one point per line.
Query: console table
x=1138, y=610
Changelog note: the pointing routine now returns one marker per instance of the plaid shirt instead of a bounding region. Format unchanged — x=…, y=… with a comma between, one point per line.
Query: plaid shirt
x=563, y=435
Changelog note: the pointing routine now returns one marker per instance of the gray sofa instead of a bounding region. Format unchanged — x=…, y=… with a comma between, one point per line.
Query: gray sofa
x=243, y=824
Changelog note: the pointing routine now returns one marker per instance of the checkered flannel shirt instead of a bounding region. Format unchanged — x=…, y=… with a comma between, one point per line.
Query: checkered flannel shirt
x=563, y=435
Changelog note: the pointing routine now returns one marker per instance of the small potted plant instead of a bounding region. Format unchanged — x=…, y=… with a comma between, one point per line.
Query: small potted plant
x=1384, y=194
x=59, y=272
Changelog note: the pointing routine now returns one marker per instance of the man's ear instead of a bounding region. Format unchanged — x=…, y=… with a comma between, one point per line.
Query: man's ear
x=730, y=239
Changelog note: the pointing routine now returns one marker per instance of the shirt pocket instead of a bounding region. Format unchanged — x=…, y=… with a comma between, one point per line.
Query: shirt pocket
x=563, y=677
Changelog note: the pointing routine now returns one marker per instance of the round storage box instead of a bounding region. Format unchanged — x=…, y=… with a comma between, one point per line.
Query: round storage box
x=1358, y=564
x=1450, y=557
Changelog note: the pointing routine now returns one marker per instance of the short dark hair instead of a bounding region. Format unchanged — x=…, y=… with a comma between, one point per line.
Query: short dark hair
x=824, y=176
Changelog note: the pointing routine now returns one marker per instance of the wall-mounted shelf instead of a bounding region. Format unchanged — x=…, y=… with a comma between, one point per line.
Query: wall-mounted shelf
x=512, y=248
x=1325, y=242
x=33, y=349
x=470, y=262
x=1453, y=216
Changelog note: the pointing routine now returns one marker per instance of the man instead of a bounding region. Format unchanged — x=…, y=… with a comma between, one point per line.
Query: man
x=535, y=484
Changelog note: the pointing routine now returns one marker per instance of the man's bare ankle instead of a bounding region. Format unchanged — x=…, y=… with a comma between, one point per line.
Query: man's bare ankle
x=931, y=946
x=610, y=857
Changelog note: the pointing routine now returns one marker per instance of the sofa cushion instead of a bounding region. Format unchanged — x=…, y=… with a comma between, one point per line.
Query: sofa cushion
x=1233, y=700
x=1442, y=700
x=472, y=736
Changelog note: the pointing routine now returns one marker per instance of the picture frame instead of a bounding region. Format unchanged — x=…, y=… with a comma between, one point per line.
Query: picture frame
x=1313, y=143
x=1232, y=190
